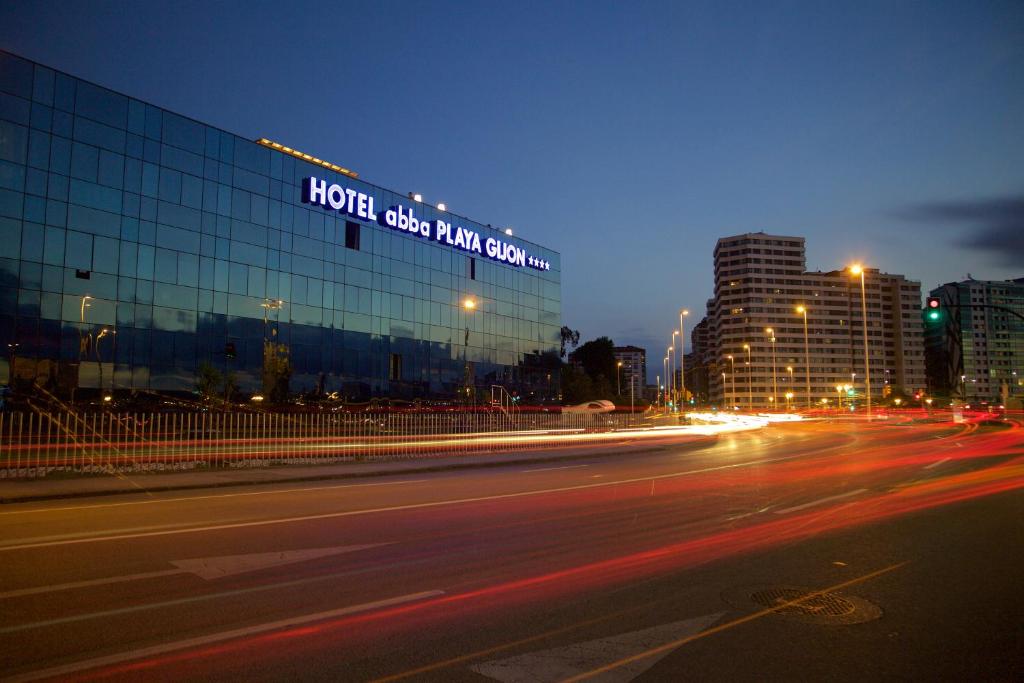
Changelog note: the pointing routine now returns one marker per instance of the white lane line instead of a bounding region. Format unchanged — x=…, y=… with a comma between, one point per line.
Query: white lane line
x=29, y=543
x=821, y=501
x=92, y=582
x=216, y=495
x=219, y=637
x=549, y=469
x=937, y=463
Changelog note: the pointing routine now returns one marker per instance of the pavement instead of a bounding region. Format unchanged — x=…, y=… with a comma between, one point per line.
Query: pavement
x=59, y=485
x=653, y=565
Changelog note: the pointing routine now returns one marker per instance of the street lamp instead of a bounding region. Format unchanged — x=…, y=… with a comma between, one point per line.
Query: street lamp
x=807, y=354
x=672, y=369
x=855, y=270
x=468, y=305
x=682, y=345
x=789, y=397
x=679, y=356
x=750, y=384
x=789, y=369
x=732, y=376
x=618, y=378
x=775, y=384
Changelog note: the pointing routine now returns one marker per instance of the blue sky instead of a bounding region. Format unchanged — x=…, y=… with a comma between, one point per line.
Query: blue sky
x=629, y=136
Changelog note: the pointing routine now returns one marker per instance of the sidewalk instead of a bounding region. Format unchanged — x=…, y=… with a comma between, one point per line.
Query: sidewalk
x=49, y=488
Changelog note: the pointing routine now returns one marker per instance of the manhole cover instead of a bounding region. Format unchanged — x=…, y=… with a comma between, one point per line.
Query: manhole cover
x=806, y=604
x=788, y=601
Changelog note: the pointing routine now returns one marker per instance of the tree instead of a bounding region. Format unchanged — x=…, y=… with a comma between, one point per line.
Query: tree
x=569, y=336
x=208, y=381
x=277, y=371
x=597, y=358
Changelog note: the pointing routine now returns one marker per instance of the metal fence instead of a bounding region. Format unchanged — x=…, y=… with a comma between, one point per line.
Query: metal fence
x=35, y=444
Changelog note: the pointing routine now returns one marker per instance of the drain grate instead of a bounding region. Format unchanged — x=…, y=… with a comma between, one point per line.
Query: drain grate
x=822, y=605
x=797, y=603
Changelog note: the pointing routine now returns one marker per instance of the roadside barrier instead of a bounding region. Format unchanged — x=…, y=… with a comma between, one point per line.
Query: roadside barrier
x=35, y=444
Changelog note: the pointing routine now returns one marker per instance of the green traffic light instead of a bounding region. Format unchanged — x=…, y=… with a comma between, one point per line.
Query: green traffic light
x=933, y=315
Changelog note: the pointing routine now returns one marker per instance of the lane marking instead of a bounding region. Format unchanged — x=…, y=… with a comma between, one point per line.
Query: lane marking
x=557, y=663
x=207, y=497
x=937, y=463
x=208, y=568
x=730, y=624
x=549, y=469
x=31, y=543
x=821, y=501
x=85, y=584
x=144, y=652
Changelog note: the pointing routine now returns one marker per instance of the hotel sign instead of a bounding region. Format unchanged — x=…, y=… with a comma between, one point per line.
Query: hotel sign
x=359, y=205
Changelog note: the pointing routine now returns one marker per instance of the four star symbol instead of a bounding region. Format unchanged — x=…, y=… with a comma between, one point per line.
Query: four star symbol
x=539, y=264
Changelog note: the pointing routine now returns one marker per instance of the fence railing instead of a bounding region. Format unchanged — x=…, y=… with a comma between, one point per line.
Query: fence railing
x=33, y=444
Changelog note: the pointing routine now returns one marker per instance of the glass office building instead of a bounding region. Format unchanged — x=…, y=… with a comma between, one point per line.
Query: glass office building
x=137, y=244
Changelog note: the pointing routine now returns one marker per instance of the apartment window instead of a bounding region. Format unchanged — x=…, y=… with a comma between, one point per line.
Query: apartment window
x=472, y=268
x=352, y=235
x=395, y=367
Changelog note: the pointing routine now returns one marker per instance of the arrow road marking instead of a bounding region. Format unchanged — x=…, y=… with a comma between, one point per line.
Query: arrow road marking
x=205, y=567
x=559, y=663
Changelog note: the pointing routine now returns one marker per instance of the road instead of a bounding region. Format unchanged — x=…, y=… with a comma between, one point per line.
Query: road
x=839, y=550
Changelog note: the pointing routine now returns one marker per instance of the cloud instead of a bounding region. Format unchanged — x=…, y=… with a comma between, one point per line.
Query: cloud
x=995, y=225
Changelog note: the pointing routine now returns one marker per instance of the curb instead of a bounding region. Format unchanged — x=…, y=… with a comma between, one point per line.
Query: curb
x=424, y=468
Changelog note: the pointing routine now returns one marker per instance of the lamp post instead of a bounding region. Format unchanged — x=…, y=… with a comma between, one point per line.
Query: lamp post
x=789, y=398
x=789, y=369
x=775, y=384
x=679, y=357
x=468, y=305
x=807, y=355
x=664, y=387
x=724, y=385
x=750, y=384
x=857, y=269
x=682, y=345
x=672, y=369
x=618, y=378
x=732, y=376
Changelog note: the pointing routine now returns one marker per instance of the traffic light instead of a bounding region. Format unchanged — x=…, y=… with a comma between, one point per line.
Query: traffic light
x=933, y=309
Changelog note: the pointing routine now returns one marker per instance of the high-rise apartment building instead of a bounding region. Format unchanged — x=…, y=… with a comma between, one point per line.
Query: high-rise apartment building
x=633, y=370
x=762, y=293
x=975, y=351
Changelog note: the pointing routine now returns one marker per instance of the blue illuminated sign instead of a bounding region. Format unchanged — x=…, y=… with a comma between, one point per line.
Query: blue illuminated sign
x=360, y=205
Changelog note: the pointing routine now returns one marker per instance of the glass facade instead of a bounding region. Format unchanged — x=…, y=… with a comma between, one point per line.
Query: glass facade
x=137, y=244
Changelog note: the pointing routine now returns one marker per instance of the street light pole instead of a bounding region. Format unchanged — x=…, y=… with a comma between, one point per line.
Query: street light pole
x=682, y=346
x=856, y=269
x=807, y=355
x=750, y=384
x=672, y=369
x=618, y=378
x=732, y=376
x=775, y=382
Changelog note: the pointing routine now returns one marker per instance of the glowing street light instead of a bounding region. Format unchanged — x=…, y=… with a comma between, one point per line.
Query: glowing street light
x=775, y=384
x=750, y=384
x=618, y=378
x=807, y=354
x=855, y=270
x=732, y=375
x=682, y=345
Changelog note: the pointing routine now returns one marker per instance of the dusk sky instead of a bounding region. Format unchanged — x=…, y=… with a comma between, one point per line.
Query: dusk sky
x=627, y=136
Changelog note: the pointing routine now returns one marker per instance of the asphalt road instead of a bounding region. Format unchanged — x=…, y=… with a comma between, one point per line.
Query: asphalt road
x=750, y=557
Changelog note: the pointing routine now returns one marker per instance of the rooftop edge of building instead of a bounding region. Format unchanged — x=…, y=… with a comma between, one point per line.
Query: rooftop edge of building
x=255, y=141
